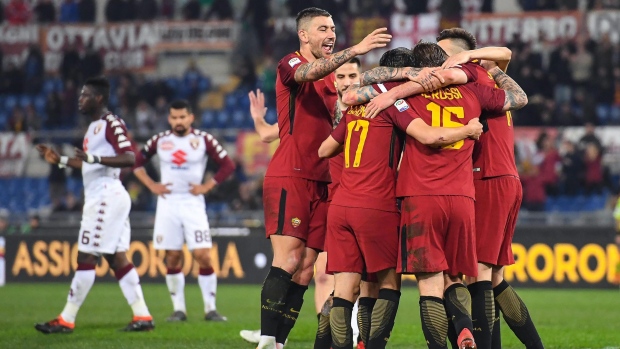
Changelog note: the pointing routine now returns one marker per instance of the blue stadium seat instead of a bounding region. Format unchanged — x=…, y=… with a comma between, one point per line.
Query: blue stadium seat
x=230, y=101
x=221, y=119
x=204, y=84
x=10, y=102
x=25, y=100
x=39, y=103
x=59, y=86
x=238, y=119
x=272, y=116
x=48, y=86
x=207, y=119
x=4, y=117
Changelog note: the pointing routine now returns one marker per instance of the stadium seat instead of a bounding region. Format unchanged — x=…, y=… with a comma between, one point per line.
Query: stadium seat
x=40, y=103
x=221, y=119
x=10, y=102
x=4, y=118
x=204, y=84
x=271, y=116
x=48, y=86
x=58, y=85
x=238, y=119
x=25, y=100
x=207, y=120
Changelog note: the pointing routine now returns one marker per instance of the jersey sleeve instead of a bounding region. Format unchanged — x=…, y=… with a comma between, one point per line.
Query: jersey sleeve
x=147, y=152
x=491, y=99
x=216, y=152
x=116, y=135
x=386, y=86
x=287, y=68
x=470, y=70
x=340, y=132
x=400, y=119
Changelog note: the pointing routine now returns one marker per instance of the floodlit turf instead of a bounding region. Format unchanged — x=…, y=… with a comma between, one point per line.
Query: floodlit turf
x=565, y=318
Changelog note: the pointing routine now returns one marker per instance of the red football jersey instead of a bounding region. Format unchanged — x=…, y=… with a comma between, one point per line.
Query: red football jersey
x=447, y=170
x=336, y=165
x=494, y=153
x=304, y=122
x=372, y=149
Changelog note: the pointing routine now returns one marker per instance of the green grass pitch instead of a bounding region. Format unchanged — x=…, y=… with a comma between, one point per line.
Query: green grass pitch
x=565, y=318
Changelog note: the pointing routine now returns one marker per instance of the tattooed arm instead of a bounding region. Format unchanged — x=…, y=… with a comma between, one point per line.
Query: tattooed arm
x=355, y=94
x=515, y=96
x=323, y=66
x=337, y=115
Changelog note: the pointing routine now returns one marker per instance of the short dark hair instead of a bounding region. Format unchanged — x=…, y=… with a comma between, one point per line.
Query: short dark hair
x=101, y=87
x=309, y=13
x=181, y=104
x=428, y=54
x=460, y=36
x=356, y=61
x=397, y=58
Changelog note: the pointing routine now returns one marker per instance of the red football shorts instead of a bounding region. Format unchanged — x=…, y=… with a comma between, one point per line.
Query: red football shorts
x=497, y=205
x=361, y=239
x=296, y=207
x=437, y=235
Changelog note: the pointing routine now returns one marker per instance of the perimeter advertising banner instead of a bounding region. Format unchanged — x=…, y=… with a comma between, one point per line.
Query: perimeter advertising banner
x=545, y=257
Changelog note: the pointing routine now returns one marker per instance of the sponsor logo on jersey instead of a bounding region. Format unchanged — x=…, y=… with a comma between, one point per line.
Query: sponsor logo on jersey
x=194, y=142
x=295, y=222
x=159, y=238
x=97, y=129
x=179, y=157
x=401, y=105
x=166, y=145
x=294, y=61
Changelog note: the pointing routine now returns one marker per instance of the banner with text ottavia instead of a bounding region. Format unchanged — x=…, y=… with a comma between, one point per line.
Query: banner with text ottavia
x=133, y=45
x=555, y=257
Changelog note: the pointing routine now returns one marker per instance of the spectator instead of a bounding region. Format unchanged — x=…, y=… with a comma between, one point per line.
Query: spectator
x=257, y=13
x=220, y=10
x=33, y=119
x=33, y=224
x=191, y=81
x=53, y=109
x=594, y=170
x=13, y=80
x=87, y=10
x=33, y=70
x=92, y=63
x=45, y=11
x=69, y=12
x=590, y=137
x=115, y=11
x=572, y=168
x=17, y=121
x=581, y=65
x=192, y=10
x=416, y=7
x=70, y=64
x=1, y=12
x=167, y=9
x=146, y=10
x=69, y=103
x=161, y=114
x=534, y=196
x=5, y=224
x=549, y=167
x=17, y=12
x=145, y=119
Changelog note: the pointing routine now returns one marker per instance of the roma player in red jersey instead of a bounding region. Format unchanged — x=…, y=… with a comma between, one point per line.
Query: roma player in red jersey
x=363, y=218
x=437, y=221
x=498, y=190
x=295, y=187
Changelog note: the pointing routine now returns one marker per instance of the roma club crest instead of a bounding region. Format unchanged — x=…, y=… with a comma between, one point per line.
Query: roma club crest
x=295, y=222
x=194, y=142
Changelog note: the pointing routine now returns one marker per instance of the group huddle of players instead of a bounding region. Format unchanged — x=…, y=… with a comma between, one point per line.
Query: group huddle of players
x=415, y=187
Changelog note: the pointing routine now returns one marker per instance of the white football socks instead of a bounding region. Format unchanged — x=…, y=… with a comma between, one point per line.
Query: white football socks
x=176, y=287
x=208, y=287
x=81, y=284
x=130, y=285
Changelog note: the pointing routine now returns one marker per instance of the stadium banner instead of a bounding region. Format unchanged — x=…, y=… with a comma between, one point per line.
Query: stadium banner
x=53, y=257
x=499, y=29
x=604, y=22
x=254, y=153
x=133, y=45
x=14, y=149
x=554, y=257
x=407, y=30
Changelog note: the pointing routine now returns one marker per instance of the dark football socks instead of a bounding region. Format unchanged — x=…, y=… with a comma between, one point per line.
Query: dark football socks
x=434, y=322
x=517, y=316
x=273, y=300
x=382, y=319
x=340, y=322
x=482, y=312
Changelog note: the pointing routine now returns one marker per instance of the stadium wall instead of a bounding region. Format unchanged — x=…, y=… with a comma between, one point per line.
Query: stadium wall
x=549, y=257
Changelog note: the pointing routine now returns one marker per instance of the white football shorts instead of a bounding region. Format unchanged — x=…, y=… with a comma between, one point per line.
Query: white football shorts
x=105, y=225
x=181, y=219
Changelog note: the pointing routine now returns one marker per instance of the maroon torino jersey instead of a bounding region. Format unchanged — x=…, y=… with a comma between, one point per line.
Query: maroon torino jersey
x=446, y=170
x=494, y=153
x=372, y=149
x=304, y=121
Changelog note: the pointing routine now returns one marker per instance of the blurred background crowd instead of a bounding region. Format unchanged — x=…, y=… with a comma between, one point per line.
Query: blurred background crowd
x=212, y=52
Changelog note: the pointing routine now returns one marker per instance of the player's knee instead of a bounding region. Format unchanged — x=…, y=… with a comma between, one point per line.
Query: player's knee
x=203, y=257
x=497, y=276
x=174, y=260
x=322, y=278
x=85, y=258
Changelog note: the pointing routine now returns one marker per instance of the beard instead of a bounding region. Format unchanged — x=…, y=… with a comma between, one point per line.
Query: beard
x=179, y=130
